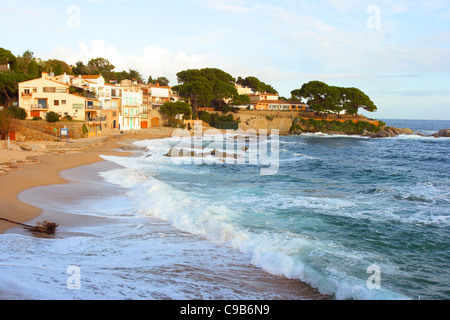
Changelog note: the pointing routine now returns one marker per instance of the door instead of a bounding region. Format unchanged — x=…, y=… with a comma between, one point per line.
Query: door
x=144, y=124
x=131, y=123
x=35, y=114
x=155, y=122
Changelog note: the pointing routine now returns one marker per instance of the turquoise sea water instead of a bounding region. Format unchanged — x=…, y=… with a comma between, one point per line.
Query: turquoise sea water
x=337, y=207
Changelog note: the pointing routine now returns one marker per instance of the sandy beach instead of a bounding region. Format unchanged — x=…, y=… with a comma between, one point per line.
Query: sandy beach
x=29, y=169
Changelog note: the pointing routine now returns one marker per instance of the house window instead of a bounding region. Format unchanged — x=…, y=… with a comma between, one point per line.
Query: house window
x=49, y=89
x=114, y=113
x=125, y=111
x=63, y=101
x=34, y=90
x=61, y=90
x=56, y=102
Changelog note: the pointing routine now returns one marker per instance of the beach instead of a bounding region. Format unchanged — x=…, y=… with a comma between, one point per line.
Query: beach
x=164, y=263
x=140, y=225
x=44, y=167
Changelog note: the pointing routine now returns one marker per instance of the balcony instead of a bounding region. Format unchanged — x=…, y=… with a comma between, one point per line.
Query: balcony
x=94, y=107
x=95, y=119
x=38, y=107
x=27, y=94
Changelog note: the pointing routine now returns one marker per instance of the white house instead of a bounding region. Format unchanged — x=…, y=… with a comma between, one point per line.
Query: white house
x=130, y=117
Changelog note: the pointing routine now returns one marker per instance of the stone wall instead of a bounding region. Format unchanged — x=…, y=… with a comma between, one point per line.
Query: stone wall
x=43, y=130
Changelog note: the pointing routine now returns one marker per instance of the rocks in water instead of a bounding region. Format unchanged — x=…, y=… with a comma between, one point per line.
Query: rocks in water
x=444, y=133
x=399, y=131
x=388, y=132
x=176, y=152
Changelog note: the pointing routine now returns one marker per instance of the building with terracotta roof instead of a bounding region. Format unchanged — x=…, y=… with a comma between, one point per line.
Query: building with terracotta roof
x=42, y=95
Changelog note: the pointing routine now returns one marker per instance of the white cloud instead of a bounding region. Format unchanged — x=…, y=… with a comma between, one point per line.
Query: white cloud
x=152, y=60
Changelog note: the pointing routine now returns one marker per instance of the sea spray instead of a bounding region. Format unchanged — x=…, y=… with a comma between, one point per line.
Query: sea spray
x=277, y=254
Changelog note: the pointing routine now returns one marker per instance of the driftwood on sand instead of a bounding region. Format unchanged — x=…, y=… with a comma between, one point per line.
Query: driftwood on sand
x=42, y=227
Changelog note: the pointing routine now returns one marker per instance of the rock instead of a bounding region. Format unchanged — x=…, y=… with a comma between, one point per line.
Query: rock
x=442, y=133
x=398, y=131
x=175, y=152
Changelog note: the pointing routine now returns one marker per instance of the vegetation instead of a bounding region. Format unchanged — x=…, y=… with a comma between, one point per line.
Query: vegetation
x=215, y=117
x=163, y=81
x=240, y=99
x=17, y=112
x=347, y=127
x=171, y=109
x=7, y=121
x=205, y=87
x=85, y=129
x=256, y=85
x=52, y=117
x=9, y=83
x=6, y=57
x=329, y=99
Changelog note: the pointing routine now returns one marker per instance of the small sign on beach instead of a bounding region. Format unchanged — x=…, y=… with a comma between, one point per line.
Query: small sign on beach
x=64, y=132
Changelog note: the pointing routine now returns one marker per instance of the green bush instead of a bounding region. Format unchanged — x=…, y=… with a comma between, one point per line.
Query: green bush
x=85, y=129
x=67, y=118
x=36, y=118
x=348, y=127
x=204, y=116
x=52, y=117
x=18, y=113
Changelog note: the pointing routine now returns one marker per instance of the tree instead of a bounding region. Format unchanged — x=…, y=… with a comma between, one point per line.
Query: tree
x=103, y=67
x=6, y=57
x=9, y=83
x=24, y=60
x=240, y=99
x=256, y=85
x=319, y=96
x=136, y=75
x=322, y=97
x=203, y=87
x=163, y=81
x=55, y=66
x=81, y=69
x=33, y=69
x=171, y=109
x=355, y=99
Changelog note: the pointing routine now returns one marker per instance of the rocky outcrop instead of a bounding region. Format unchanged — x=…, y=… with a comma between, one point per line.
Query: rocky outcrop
x=442, y=133
x=388, y=132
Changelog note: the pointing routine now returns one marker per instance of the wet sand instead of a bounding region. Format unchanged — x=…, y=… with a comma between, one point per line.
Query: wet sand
x=44, y=170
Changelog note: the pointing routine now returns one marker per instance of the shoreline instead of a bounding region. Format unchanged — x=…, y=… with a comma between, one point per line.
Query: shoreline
x=47, y=173
x=44, y=169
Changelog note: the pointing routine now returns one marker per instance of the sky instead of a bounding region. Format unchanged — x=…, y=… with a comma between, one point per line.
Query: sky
x=397, y=52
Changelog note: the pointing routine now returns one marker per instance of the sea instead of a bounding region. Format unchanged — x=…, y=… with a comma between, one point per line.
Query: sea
x=339, y=217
